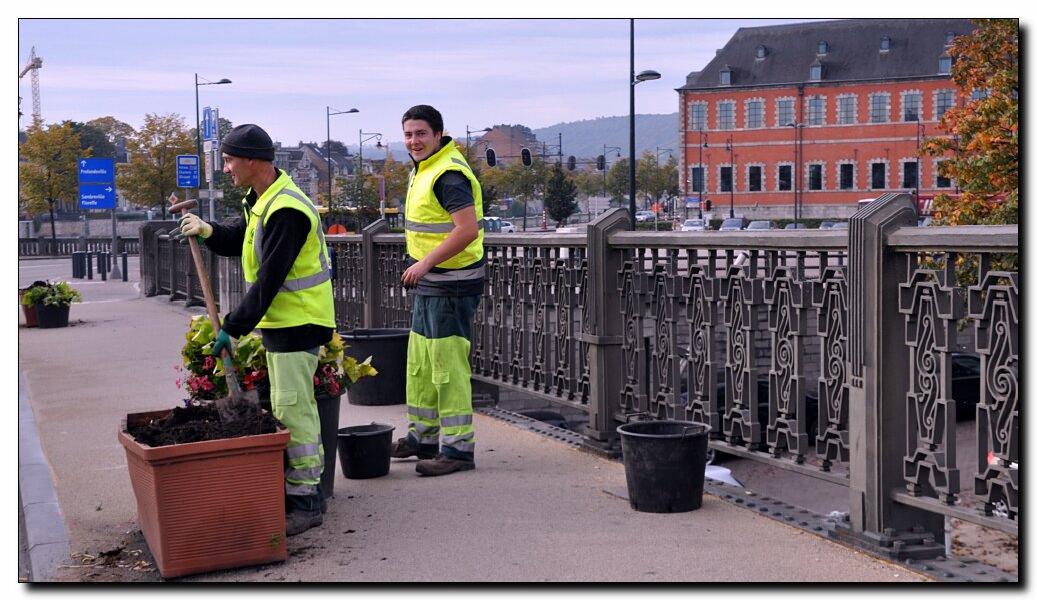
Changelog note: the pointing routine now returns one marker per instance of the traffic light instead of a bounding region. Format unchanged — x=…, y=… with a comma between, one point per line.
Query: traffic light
x=601, y=162
x=709, y=205
x=491, y=157
x=572, y=163
x=527, y=158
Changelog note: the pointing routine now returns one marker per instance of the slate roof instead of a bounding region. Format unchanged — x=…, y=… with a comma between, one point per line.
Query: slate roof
x=853, y=52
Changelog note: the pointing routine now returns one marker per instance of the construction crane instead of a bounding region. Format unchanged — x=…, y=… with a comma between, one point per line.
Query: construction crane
x=35, y=64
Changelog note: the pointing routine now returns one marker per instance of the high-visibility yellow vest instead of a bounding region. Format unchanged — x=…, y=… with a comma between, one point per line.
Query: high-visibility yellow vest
x=427, y=223
x=305, y=297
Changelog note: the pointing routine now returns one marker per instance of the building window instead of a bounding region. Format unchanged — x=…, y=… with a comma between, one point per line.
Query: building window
x=822, y=48
x=755, y=178
x=909, y=171
x=944, y=101
x=815, y=180
x=884, y=44
x=816, y=110
x=879, y=108
x=761, y=51
x=911, y=103
x=846, y=110
x=753, y=114
x=941, y=181
x=725, y=179
x=786, y=114
x=698, y=116
x=846, y=176
x=696, y=179
x=878, y=176
x=725, y=76
x=980, y=94
x=945, y=65
x=784, y=178
x=726, y=115
x=815, y=72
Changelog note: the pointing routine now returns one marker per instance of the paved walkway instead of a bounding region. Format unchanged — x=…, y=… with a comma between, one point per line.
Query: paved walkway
x=534, y=509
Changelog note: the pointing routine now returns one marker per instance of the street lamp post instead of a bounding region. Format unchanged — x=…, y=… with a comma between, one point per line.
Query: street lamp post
x=642, y=76
x=919, y=134
x=797, y=159
x=468, y=140
x=198, y=130
x=360, y=173
x=327, y=148
x=604, y=171
x=731, y=180
x=702, y=174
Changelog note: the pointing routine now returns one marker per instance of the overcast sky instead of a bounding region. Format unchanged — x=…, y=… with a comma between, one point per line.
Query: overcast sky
x=478, y=72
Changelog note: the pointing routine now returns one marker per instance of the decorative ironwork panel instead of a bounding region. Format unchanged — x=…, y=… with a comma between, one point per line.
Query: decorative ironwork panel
x=994, y=306
x=497, y=298
x=787, y=321
x=583, y=370
x=565, y=290
x=743, y=295
x=348, y=285
x=703, y=361
x=829, y=298
x=518, y=369
x=931, y=310
x=394, y=302
x=665, y=355
x=632, y=396
x=540, y=292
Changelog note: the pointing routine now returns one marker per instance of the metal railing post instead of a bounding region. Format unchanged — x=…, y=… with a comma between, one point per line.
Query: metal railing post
x=878, y=375
x=373, y=316
x=602, y=329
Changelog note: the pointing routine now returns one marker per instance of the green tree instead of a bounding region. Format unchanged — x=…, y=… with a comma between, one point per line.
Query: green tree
x=984, y=130
x=397, y=176
x=93, y=139
x=47, y=173
x=617, y=182
x=559, y=196
x=150, y=175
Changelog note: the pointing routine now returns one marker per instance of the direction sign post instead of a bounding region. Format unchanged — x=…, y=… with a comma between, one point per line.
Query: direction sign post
x=97, y=191
x=187, y=170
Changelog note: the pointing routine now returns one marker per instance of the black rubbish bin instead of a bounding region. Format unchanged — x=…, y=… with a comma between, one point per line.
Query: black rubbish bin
x=665, y=464
x=388, y=351
x=364, y=450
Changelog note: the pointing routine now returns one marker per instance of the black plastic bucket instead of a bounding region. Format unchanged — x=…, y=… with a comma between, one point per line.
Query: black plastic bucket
x=388, y=351
x=327, y=410
x=665, y=463
x=363, y=450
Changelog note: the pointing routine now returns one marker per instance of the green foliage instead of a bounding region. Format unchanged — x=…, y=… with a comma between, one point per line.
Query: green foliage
x=150, y=175
x=48, y=173
x=560, y=195
x=51, y=294
x=93, y=139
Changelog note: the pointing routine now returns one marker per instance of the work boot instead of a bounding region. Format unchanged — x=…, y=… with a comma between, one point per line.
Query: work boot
x=298, y=521
x=441, y=465
x=402, y=448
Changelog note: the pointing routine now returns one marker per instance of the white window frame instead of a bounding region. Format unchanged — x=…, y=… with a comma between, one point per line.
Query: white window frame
x=734, y=114
x=886, y=177
x=903, y=105
x=839, y=109
x=871, y=107
x=777, y=176
x=705, y=178
x=936, y=175
x=806, y=175
x=734, y=178
x=763, y=177
x=936, y=102
x=839, y=175
x=903, y=171
x=704, y=125
x=824, y=110
x=777, y=110
x=762, y=113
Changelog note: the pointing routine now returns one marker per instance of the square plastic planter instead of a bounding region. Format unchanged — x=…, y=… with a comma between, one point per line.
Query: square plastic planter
x=211, y=505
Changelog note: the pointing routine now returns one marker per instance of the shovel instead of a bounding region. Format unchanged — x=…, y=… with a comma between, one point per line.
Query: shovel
x=228, y=407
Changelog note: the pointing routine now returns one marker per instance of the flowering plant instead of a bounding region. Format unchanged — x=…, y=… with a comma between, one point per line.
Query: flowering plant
x=202, y=373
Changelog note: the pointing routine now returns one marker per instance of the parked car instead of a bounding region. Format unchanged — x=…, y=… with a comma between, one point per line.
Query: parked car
x=795, y=226
x=507, y=227
x=841, y=225
x=644, y=215
x=693, y=225
x=826, y=225
x=734, y=224
x=760, y=225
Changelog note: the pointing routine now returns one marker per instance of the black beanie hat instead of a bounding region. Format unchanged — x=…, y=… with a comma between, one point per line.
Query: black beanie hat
x=248, y=141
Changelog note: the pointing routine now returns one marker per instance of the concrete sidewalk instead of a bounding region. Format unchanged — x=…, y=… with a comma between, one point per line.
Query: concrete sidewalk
x=535, y=509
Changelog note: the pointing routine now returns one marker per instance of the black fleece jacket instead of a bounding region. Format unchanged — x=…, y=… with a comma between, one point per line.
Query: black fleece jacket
x=283, y=238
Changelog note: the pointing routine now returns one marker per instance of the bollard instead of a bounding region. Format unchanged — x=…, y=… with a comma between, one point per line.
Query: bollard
x=125, y=275
x=102, y=265
x=89, y=265
x=77, y=265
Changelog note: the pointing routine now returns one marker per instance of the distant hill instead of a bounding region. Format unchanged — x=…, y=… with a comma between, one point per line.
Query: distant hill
x=584, y=139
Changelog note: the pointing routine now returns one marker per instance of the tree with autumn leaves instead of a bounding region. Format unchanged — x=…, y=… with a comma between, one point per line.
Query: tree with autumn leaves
x=984, y=132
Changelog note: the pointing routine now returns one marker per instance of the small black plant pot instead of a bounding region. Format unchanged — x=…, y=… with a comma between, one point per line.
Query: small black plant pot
x=50, y=316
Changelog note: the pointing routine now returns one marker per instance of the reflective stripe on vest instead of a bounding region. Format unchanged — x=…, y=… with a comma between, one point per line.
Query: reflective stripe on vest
x=435, y=227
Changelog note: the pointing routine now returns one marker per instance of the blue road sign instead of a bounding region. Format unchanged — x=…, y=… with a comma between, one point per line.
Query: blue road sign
x=97, y=170
x=100, y=195
x=208, y=124
x=187, y=170
x=692, y=202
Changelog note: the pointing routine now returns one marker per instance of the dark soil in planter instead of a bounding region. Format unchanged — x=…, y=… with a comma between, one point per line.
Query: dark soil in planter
x=201, y=423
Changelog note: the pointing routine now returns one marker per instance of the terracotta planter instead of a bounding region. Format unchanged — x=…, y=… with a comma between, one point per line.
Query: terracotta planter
x=209, y=505
x=28, y=310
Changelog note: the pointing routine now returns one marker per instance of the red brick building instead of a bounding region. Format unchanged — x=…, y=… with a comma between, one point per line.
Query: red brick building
x=843, y=104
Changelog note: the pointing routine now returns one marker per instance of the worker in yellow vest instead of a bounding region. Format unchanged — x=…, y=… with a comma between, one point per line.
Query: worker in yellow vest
x=444, y=232
x=288, y=297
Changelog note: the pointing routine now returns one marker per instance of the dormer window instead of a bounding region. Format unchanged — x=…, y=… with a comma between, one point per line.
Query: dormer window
x=945, y=65
x=761, y=52
x=725, y=76
x=948, y=38
x=884, y=44
x=816, y=71
x=822, y=48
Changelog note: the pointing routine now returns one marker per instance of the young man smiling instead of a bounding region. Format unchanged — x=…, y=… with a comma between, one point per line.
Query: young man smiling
x=443, y=228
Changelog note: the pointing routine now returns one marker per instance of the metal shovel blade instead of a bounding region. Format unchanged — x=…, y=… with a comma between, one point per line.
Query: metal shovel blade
x=231, y=407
